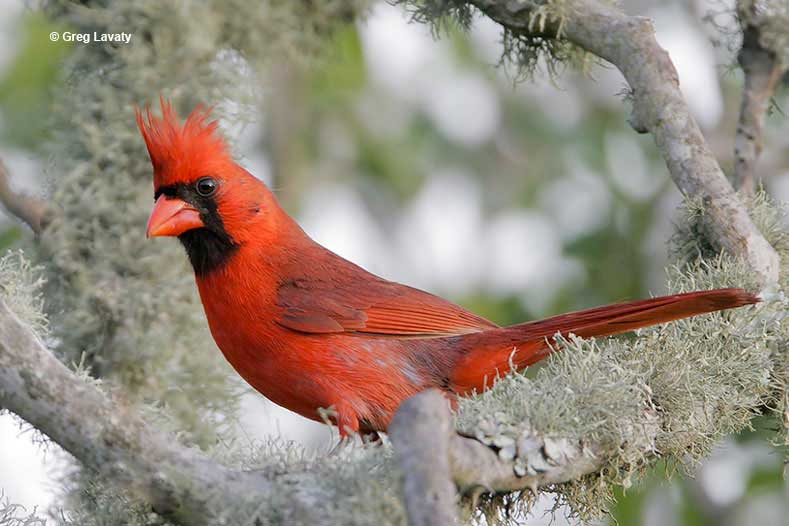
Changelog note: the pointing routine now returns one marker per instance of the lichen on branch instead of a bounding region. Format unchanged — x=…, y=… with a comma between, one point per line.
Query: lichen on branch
x=529, y=47
x=597, y=415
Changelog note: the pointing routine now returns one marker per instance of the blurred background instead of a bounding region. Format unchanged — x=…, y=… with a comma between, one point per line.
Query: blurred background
x=424, y=162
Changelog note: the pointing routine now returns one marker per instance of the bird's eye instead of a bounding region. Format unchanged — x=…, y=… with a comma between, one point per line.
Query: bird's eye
x=206, y=186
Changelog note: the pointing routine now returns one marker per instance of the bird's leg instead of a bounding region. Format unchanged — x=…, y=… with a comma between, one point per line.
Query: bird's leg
x=346, y=421
x=373, y=437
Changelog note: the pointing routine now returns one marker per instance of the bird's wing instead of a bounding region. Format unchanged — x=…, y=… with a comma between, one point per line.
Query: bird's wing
x=351, y=299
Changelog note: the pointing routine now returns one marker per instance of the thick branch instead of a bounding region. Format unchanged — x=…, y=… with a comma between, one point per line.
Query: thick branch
x=629, y=43
x=114, y=441
x=430, y=452
x=763, y=71
x=420, y=433
x=23, y=206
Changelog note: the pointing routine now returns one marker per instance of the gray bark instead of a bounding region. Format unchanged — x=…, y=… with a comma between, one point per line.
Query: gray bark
x=628, y=42
x=763, y=71
x=111, y=439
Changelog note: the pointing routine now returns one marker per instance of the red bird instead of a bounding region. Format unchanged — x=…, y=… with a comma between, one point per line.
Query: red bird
x=309, y=329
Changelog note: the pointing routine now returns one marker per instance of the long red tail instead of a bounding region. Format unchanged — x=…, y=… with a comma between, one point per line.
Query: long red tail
x=490, y=354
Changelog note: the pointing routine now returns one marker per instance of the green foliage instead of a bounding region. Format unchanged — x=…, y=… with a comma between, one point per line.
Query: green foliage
x=26, y=86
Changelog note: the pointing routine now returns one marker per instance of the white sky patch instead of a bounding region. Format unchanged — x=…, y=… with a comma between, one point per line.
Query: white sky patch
x=440, y=232
x=399, y=54
x=9, y=28
x=336, y=217
x=561, y=101
x=25, y=471
x=629, y=168
x=382, y=116
x=725, y=474
x=694, y=58
x=464, y=107
x=253, y=157
x=653, y=246
x=262, y=419
x=578, y=202
x=521, y=246
x=24, y=171
x=486, y=36
x=524, y=257
x=779, y=186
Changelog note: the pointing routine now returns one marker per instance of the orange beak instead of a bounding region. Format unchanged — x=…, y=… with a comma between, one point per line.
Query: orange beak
x=172, y=217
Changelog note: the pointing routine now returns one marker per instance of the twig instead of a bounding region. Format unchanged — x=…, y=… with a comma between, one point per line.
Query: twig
x=763, y=70
x=25, y=207
x=628, y=42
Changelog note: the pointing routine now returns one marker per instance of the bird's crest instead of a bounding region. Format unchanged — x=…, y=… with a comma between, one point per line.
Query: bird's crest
x=182, y=153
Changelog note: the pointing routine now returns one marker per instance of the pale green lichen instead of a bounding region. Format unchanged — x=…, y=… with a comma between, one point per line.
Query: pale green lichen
x=703, y=378
x=20, y=290
x=354, y=485
x=17, y=515
x=524, y=51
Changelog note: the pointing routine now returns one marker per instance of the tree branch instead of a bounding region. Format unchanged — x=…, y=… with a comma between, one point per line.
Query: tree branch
x=112, y=440
x=430, y=452
x=184, y=485
x=420, y=433
x=763, y=71
x=25, y=207
x=628, y=42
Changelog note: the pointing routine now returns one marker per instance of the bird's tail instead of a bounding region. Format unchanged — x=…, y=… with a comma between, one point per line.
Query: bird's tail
x=490, y=354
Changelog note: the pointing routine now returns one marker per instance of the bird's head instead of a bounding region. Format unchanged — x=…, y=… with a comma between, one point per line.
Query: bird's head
x=202, y=196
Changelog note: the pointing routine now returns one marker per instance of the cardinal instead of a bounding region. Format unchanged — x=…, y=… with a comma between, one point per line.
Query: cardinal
x=311, y=330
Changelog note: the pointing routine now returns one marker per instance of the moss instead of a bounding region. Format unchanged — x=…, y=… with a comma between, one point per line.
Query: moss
x=20, y=289
x=702, y=378
x=526, y=52
x=16, y=515
x=772, y=17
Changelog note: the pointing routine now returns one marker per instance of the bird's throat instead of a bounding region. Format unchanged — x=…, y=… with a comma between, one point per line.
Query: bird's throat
x=208, y=251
